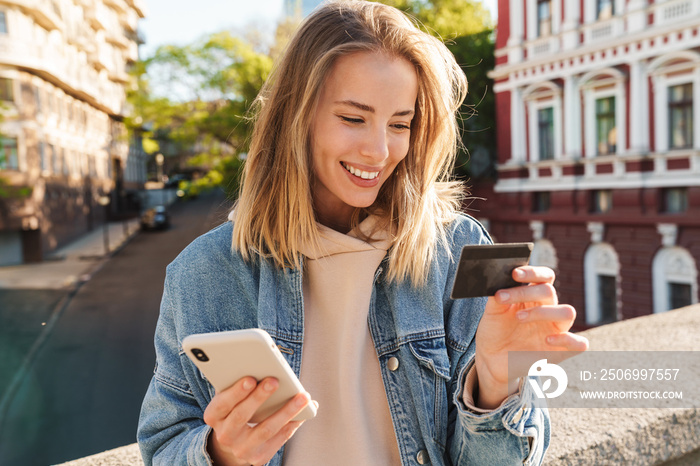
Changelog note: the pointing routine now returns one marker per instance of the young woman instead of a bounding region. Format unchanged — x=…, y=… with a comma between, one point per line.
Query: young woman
x=343, y=246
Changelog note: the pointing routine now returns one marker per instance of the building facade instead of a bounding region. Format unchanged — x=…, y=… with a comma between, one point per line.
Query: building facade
x=598, y=123
x=63, y=80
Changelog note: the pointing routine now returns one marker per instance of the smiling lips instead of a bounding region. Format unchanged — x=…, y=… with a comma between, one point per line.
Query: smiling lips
x=359, y=173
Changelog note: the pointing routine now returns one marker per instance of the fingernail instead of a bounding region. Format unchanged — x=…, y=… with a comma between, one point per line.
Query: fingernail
x=302, y=400
x=503, y=296
x=522, y=315
x=269, y=386
x=247, y=384
x=550, y=339
x=519, y=273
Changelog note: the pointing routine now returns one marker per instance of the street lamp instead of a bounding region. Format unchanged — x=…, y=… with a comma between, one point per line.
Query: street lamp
x=104, y=202
x=159, y=161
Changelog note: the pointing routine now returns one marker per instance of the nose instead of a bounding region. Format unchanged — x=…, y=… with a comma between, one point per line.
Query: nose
x=375, y=145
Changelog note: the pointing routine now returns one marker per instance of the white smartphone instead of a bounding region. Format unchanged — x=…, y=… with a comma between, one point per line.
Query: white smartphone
x=226, y=357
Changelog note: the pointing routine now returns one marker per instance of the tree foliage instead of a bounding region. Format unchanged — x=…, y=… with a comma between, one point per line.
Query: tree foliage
x=194, y=98
x=197, y=96
x=447, y=19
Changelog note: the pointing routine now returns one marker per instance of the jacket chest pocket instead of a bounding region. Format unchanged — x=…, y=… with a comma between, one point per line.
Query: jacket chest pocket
x=433, y=383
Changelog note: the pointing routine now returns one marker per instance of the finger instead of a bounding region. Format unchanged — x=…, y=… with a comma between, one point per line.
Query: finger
x=542, y=293
x=533, y=274
x=568, y=341
x=562, y=313
x=271, y=426
x=244, y=411
x=222, y=404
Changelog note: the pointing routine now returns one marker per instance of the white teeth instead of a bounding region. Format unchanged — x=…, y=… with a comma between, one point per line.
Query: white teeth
x=359, y=173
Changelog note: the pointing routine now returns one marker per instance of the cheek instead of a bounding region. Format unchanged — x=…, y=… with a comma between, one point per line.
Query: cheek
x=399, y=151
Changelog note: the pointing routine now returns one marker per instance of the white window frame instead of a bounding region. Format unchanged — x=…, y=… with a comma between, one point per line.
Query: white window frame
x=532, y=26
x=599, y=89
x=600, y=259
x=544, y=254
x=662, y=84
x=538, y=97
x=673, y=264
x=687, y=72
x=590, y=7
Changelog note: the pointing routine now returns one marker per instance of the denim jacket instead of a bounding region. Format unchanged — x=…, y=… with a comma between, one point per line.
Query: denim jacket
x=210, y=288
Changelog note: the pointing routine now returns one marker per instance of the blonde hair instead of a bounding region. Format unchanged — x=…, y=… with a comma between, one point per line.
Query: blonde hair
x=274, y=215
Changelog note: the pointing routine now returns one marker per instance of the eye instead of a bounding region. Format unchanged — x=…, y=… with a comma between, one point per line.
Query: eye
x=401, y=126
x=351, y=120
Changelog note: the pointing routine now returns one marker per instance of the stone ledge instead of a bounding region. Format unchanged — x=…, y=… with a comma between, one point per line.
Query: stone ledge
x=631, y=436
x=588, y=436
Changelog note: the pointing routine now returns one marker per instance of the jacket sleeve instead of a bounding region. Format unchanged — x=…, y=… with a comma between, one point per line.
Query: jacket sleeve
x=517, y=432
x=171, y=429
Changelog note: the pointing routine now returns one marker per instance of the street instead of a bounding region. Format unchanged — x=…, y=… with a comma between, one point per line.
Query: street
x=83, y=392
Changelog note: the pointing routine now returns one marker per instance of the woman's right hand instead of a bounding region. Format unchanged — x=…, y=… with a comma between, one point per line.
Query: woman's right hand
x=233, y=441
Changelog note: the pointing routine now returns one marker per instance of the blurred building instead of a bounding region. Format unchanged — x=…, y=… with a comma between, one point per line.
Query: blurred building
x=63, y=80
x=598, y=123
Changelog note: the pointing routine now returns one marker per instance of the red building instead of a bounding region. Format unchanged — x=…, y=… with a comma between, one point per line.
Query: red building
x=598, y=162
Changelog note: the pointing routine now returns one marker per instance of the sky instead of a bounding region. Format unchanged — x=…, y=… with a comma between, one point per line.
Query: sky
x=183, y=21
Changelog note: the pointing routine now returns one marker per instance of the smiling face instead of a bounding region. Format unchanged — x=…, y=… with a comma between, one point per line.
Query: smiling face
x=360, y=132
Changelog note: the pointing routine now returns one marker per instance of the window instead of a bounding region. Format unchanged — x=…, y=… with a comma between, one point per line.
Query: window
x=6, y=90
x=43, y=159
x=679, y=295
x=3, y=22
x=605, y=9
x=53, y=157
x=545, y=124
x=601, y=201
x=64, y=161
x=675, y=200
x=674, y=279
x=607, y=298
x=540, y=202
x=544, y=254
x=680, y=116
x=8, y=154
x=37, y=99
x=606, y=131
x=602, y=284
x=544, y=18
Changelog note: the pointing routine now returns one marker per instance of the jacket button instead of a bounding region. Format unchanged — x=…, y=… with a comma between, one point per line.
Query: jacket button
x=392, y=364
x=422, y=457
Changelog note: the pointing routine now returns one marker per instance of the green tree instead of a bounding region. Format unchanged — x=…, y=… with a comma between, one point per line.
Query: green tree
x=475, y=53
x=447, y=19
x=198, y=95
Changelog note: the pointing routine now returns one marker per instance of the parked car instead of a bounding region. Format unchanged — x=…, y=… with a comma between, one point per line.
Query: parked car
x=155, y=218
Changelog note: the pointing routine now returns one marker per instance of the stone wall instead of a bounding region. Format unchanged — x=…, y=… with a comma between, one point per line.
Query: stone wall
x=594, y=436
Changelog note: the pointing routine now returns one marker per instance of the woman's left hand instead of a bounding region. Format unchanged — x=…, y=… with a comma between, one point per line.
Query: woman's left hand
x=525, y=318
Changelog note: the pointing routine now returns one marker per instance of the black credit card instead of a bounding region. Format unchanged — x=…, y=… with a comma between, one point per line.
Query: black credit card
x=486, y=268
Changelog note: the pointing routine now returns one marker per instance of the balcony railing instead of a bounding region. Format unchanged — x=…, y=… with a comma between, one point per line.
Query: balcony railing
x=674, y=11
x=603, y=30
x=614, y=171
x=50, y=59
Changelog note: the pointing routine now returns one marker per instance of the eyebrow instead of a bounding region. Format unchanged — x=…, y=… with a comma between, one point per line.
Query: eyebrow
x=370, y=109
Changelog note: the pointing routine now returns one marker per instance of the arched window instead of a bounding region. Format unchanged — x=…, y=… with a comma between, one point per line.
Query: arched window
x=675, y=279
x=544, y=254
x=544, y=102
x=605, y=117
x=602, y=283
x=676, y=79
